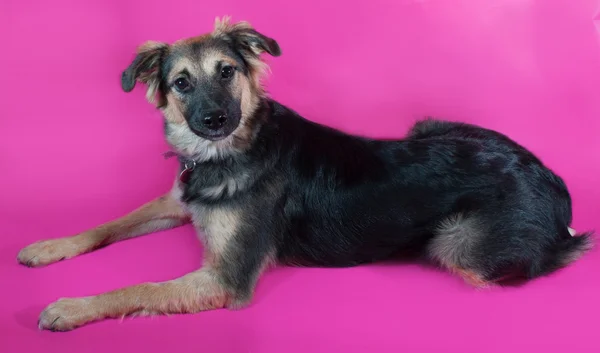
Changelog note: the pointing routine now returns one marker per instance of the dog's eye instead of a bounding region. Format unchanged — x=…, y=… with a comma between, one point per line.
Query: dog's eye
x=227, y=71
x=182, y=84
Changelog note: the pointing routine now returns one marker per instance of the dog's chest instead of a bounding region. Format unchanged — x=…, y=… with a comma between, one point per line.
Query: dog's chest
x=217, y=222
x=217, y=225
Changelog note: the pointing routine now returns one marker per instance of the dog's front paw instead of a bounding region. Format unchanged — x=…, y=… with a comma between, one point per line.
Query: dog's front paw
x=47, y=252
x=66, y=314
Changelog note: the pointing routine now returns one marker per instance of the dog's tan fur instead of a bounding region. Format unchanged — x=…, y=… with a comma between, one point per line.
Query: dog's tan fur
x=172, y=111
x=151, y=79
x=159, y=214
x=194, y=292
x=470, y=277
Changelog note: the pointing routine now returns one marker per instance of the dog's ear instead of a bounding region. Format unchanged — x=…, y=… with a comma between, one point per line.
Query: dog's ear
x=251, y=40
x=245, y=38
x=145, y=68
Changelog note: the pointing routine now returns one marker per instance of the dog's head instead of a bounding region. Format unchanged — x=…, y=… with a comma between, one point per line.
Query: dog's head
x=208, y=87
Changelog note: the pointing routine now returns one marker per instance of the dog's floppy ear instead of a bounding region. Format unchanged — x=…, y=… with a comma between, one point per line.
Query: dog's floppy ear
x=145, y=68
x=246, y=38
x=251, y=40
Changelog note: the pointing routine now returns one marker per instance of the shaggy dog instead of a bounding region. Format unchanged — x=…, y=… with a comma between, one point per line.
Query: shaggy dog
x=264, y=186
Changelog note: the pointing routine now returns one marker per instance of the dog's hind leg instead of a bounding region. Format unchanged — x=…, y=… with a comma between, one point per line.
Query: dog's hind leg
x=454, y=246
x=162, y=213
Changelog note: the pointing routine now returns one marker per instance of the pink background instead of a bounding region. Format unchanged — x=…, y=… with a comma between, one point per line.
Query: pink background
x=76, y=151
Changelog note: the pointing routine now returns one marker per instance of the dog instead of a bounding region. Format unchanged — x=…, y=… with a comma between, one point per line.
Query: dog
x=264, y=186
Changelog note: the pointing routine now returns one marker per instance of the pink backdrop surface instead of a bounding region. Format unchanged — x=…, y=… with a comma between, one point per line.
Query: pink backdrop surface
x=76, y=151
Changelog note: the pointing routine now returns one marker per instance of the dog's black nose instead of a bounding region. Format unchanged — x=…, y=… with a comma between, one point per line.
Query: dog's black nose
x=214, y=120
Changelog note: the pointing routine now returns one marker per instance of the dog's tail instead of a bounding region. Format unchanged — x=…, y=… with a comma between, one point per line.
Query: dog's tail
x=569, y=247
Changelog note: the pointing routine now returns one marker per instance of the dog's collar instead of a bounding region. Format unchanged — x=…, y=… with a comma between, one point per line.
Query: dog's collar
x=188, y=165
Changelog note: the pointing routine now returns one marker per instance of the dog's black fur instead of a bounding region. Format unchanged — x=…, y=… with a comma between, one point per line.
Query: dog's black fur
x=322, y=197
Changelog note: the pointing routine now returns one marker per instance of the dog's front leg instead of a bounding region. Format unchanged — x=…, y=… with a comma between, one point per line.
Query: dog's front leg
x=232, y=265
x=197, y=291
x=162, y=213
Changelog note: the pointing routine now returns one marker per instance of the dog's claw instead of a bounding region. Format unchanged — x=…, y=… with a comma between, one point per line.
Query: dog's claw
x=53, y=322
x=30, y=262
